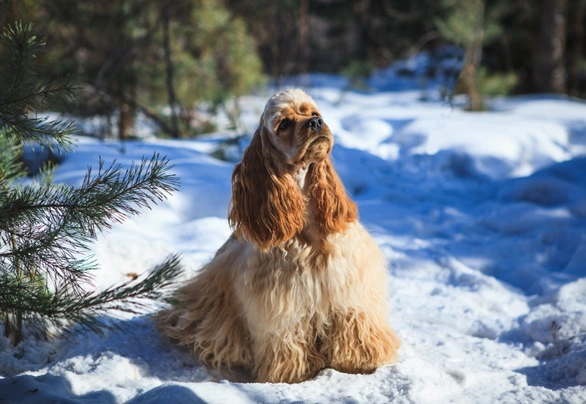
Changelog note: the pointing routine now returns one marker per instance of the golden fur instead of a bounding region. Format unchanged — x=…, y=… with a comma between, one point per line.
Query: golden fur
x=300, y=285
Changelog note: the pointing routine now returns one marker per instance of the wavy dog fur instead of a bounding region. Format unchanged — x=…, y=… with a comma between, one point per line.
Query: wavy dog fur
x=300, y=285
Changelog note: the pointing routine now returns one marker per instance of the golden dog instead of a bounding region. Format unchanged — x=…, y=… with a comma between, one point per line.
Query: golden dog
x=300, y=285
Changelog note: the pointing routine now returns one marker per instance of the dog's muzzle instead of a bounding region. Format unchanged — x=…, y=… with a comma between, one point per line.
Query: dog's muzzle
x=315, y=123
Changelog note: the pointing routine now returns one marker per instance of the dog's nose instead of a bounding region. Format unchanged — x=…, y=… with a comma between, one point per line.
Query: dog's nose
x=315, y=123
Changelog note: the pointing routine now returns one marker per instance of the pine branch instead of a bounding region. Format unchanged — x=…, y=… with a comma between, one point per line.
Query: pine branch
x=154, y=286
x=17, y=53
x=45, y=228
x=10, y=166
x=40, y=95
x=39, y=131
x=52, y=232
x=65, y=306
x=23, y=95
x=109, y=196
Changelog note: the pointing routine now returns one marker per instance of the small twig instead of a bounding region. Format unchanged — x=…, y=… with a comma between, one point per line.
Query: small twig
x=10, y=377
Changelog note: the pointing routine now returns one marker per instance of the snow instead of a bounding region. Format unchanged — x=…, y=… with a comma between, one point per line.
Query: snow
x=481, y=215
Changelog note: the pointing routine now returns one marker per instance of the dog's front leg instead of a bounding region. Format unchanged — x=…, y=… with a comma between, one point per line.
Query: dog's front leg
x=286, y=358
x=284, y=343
x=360, y=342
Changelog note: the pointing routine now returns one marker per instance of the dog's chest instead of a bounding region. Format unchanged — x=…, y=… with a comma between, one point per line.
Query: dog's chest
x=301, y=275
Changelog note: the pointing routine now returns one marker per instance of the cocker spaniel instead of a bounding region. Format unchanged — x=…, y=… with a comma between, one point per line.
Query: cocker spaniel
x=300, y=285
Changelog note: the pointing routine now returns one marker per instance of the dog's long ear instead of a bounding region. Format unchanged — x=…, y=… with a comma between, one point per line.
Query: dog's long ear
x=267, y=207
x=332, y=207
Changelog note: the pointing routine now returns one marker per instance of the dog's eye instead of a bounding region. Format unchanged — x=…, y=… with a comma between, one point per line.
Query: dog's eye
x=315, y=114
x=284, y=124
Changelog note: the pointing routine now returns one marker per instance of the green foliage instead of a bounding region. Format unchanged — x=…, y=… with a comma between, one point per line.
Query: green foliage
x=11, y=169
x=472, y=25
x=45, y=229
x=119, y=48
x=22, y=91
x=496, y=84
x=357, y=71
x=214, y=59
x=460, y=26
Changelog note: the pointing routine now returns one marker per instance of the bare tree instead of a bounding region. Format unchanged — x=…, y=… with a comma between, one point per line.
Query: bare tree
x=549, y=70
x=576, y=18
x=473, y=57
x=169, y=72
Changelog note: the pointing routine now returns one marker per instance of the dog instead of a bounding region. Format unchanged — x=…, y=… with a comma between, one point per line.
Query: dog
x=300, y=285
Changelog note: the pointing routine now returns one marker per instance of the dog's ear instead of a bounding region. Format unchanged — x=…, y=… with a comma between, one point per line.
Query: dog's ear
x=332, y=207
x=267, y=207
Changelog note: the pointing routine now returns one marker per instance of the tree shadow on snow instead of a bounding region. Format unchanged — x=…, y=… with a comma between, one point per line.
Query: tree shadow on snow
x=136, y=341
x=46, y=389
x=131, y=344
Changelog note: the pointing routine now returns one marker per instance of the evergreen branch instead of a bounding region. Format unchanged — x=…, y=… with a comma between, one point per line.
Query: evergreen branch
x=18, y=49
x=63, y=305
x=152, y=287
x=22, y=93
x=50, y=235
x=10, y=166
x=40, y=95
x=31, y=130
x=43, y=228
x=110, y=195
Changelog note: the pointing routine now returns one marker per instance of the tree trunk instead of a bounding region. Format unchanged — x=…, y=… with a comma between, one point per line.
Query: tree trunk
x=472, y=61
x=577, y=12
x=475, y=102
x=549, y=70
x=303, y=35
x=169, y=72
x=125, y=120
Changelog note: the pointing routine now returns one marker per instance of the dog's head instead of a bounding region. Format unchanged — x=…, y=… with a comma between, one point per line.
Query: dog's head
x=294, y=126
x=268, y=208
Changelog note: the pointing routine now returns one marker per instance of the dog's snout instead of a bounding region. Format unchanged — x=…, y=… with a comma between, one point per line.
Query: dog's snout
x=315, y=123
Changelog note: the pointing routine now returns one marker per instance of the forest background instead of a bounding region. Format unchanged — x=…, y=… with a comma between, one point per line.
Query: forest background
x=179, y=62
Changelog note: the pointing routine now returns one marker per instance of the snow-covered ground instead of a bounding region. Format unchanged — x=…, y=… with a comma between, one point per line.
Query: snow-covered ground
x=481, y=215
